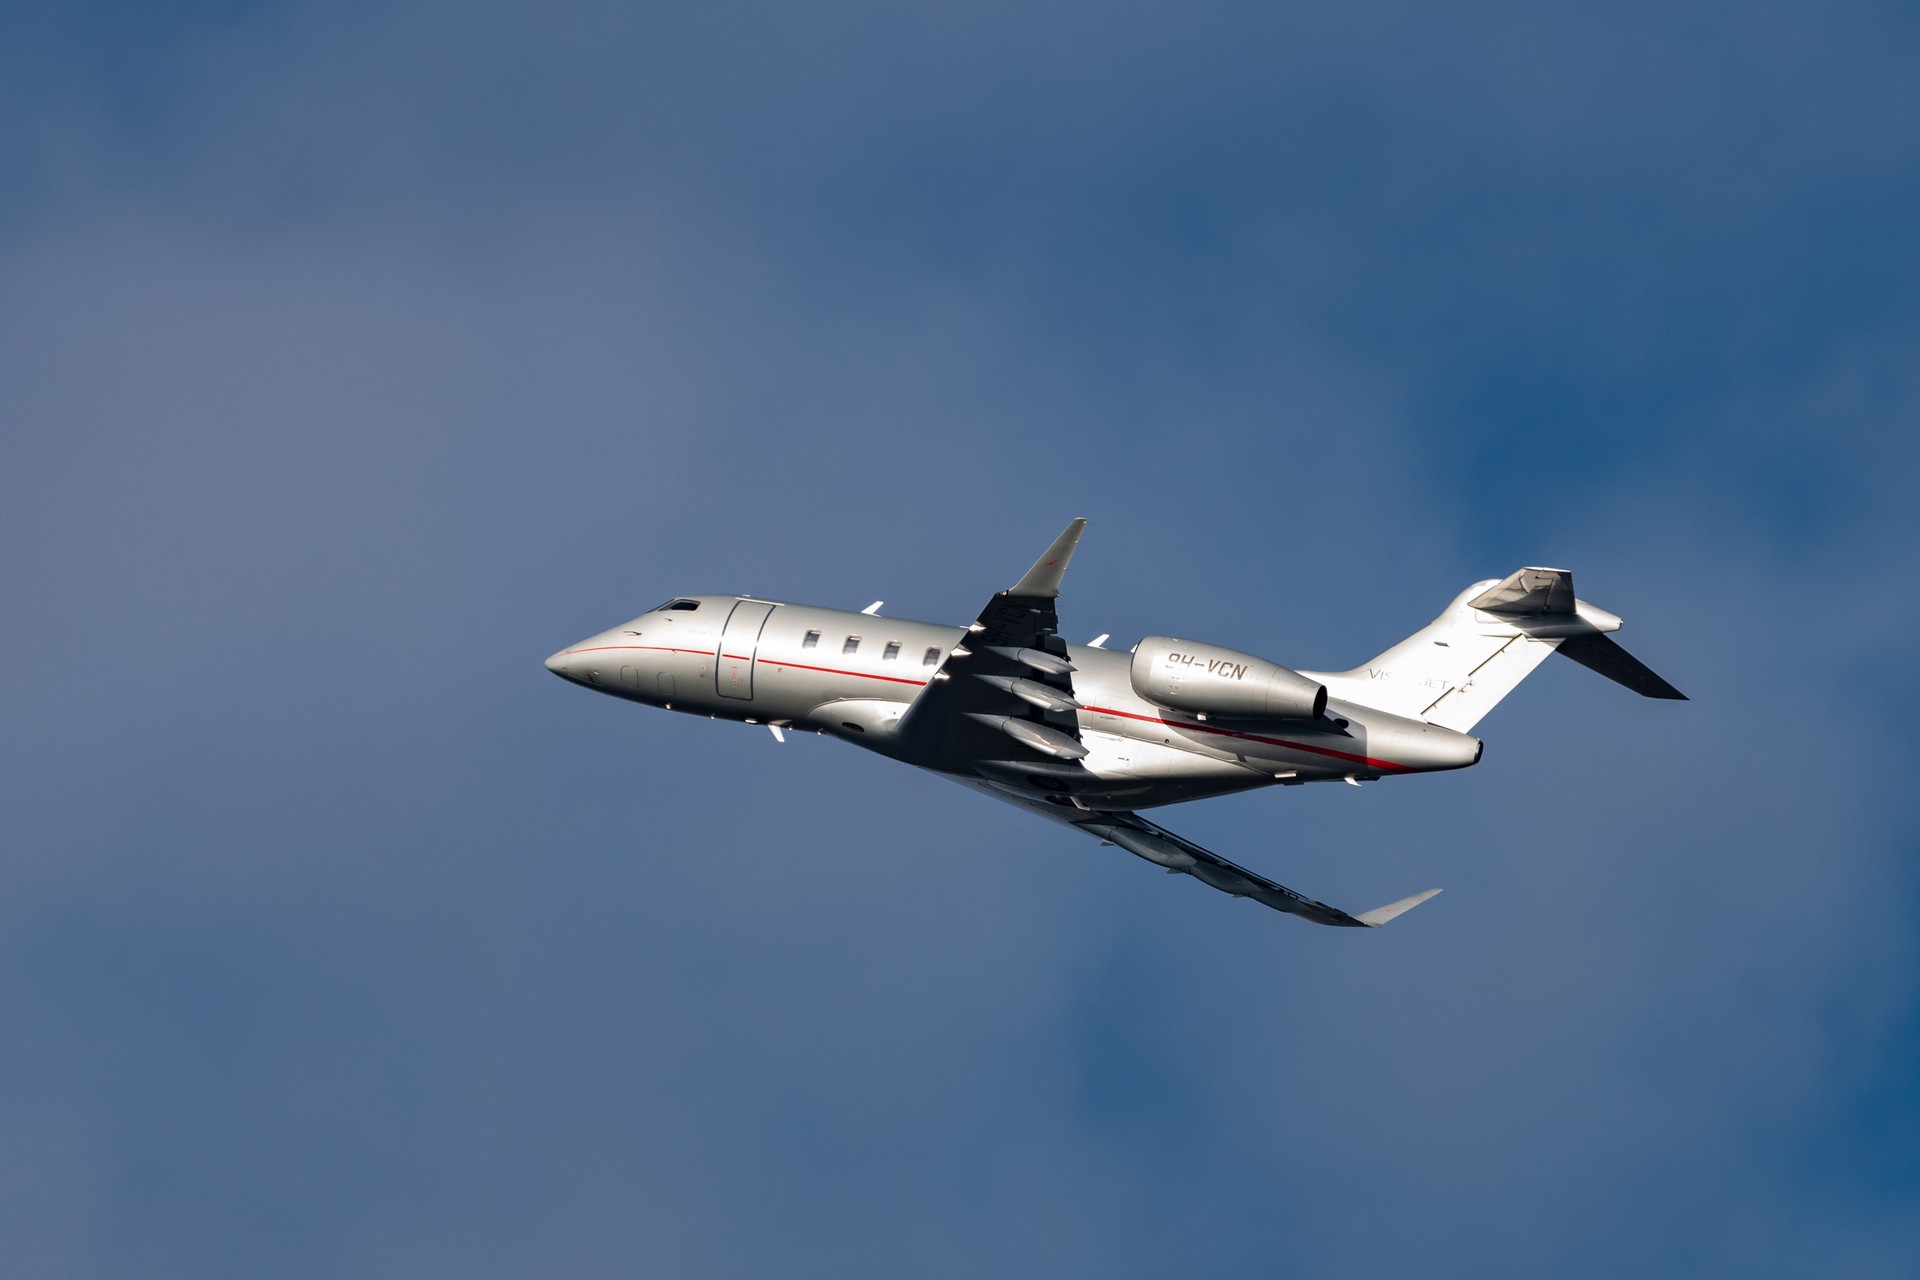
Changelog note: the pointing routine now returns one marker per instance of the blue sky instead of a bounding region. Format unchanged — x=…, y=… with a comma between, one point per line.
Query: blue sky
x=353, y=358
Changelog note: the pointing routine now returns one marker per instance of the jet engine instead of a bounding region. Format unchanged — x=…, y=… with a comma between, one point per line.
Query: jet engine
x=1207, y=680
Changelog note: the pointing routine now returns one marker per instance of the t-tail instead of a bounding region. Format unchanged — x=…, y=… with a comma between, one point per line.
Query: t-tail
x=1457, y=668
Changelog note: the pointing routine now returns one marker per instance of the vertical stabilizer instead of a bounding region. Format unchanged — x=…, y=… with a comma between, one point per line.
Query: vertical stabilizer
x=1494, y=634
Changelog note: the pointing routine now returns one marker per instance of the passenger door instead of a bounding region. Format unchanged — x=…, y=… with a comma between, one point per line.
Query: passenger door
x=739, y=640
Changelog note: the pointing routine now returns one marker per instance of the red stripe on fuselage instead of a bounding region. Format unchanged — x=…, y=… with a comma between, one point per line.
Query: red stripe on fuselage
x=836, y=671
x=1369, y=761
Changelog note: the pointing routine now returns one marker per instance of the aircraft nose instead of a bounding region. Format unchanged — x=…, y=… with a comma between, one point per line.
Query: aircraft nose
x=561, y=665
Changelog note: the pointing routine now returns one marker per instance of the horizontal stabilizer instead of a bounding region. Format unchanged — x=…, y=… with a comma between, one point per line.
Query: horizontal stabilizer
x=1529, y=591
x=1601, y=653
x=1380, y=915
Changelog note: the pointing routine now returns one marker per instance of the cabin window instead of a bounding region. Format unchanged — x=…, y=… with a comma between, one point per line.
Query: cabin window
x=811, y=639
x=852, y=645
x=891, y=652
x=932, y=659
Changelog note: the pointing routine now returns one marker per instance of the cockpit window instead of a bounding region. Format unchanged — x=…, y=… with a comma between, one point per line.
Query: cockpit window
x=688, y=605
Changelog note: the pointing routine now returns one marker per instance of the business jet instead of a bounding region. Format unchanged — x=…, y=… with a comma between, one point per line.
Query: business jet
x=1088, y=736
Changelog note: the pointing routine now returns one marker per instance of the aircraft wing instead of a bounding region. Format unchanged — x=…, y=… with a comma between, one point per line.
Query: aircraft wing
x=1004, y=695
x=1180, y=855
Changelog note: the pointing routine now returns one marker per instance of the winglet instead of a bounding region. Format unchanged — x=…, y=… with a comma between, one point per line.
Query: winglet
x=1044, y=578
x=1380, y=915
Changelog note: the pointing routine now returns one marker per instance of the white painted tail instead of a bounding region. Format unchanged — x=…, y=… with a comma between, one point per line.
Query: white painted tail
x=1458, y=667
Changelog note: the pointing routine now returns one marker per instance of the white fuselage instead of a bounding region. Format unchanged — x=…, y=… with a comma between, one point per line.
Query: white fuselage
x=853, y=675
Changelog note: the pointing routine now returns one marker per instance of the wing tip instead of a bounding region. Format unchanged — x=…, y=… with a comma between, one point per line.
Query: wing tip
x=1044, y=578
x=1380, y=915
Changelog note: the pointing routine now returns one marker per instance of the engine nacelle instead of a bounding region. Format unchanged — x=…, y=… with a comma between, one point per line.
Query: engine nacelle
x=1204, y=679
